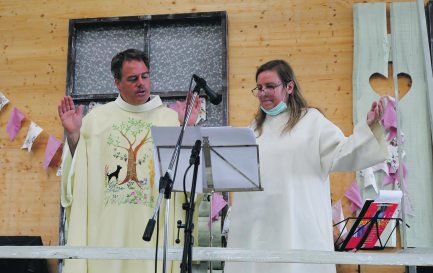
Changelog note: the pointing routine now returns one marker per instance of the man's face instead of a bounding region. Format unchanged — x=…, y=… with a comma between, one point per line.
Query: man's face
x=134, y=86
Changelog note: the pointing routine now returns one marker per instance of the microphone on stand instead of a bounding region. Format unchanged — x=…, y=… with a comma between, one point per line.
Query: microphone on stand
x=195, y=151
x=214, y=97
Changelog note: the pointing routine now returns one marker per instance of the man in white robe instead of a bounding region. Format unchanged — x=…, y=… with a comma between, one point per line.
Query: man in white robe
x=108, y=182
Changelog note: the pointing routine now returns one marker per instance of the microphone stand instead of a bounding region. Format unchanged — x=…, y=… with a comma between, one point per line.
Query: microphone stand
x=186, y=264
x=166, y=183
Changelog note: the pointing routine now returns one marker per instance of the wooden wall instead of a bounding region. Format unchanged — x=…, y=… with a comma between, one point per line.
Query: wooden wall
x=315, y=36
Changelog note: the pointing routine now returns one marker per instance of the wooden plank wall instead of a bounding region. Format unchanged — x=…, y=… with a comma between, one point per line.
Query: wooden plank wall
x=315, y=36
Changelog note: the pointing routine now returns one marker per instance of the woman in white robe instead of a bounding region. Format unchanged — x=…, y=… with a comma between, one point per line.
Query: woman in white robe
x=298, y=149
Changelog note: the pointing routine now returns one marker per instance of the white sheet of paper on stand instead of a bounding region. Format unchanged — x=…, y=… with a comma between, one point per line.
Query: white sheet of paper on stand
x=238, y=172
x=389, y=196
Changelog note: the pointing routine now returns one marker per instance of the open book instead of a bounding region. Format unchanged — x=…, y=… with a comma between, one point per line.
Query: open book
x=374, y=218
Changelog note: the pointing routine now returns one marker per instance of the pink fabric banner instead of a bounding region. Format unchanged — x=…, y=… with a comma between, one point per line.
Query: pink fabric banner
x=14, y=124
x=354, y=196
x=51, y=149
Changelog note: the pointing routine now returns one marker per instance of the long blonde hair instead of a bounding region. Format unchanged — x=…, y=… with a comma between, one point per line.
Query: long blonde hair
x=296, y=103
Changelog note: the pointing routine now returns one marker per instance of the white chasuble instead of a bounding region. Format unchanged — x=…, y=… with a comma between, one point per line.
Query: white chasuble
x=108, y=187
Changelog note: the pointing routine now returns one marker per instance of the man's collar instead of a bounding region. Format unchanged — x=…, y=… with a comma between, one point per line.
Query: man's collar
x=152, y=103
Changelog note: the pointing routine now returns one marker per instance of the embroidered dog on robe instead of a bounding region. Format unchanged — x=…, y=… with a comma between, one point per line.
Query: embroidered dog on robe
x=114, y=174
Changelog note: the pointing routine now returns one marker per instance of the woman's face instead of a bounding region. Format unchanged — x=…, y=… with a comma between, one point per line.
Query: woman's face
x=271, y=89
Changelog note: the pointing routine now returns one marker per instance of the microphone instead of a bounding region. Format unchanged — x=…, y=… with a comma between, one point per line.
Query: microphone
x=195, y=151
x=214, y=97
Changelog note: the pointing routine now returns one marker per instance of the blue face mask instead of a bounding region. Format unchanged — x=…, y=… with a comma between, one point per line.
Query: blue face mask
x=278, y=109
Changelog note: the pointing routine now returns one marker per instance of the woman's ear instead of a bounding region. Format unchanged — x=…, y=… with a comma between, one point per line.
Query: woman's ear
x=290, y=87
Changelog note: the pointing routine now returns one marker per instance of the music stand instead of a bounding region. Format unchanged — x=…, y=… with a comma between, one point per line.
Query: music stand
x=368, y=227
x=229, y=159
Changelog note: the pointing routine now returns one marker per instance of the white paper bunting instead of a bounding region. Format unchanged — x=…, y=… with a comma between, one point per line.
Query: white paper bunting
x=32, y=134
x=3, y=101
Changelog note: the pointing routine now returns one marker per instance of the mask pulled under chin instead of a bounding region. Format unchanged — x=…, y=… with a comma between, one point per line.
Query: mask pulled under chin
x=278, y=109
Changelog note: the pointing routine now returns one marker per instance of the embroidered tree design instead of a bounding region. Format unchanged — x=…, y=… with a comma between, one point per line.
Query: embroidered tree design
x=129, y=131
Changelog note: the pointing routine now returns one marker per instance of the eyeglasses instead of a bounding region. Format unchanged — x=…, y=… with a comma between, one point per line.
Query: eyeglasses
x=268, y=88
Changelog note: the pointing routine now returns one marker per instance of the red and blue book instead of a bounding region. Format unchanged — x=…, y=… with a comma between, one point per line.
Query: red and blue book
x=371, y=222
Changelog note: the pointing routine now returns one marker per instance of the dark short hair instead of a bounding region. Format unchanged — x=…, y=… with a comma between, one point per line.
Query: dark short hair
x=127, y=55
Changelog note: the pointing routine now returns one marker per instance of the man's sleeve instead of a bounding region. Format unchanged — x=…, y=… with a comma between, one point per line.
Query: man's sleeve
x=74, y=200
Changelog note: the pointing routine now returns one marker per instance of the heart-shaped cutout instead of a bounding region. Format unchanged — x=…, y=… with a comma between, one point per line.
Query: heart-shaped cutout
x=385, y=86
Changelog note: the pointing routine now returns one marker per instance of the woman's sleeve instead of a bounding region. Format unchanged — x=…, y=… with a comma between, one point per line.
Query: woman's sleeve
x=364, y=148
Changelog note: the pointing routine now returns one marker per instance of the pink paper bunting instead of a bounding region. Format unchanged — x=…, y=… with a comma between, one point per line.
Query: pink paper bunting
x=14, y=124
x=353, y=194
x=394, y=176
x=51, y=149
x=218, y=203
x=389, y=119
